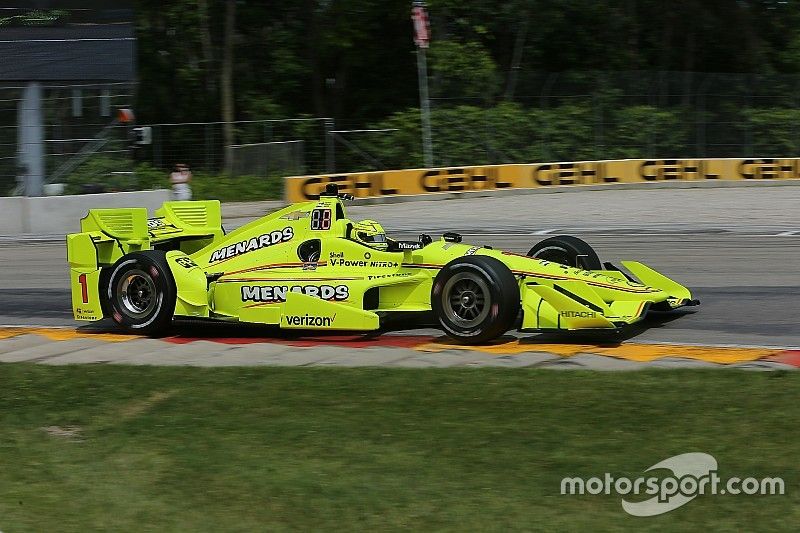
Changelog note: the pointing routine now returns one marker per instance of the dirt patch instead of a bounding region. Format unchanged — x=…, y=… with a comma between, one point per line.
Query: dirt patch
x=138, y=407
x=63, y=432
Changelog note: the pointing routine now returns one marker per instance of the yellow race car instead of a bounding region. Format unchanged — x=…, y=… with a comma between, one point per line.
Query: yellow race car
x=308, y=266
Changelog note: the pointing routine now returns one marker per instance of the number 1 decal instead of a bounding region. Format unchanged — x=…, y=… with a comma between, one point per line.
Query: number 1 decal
x=84, y=288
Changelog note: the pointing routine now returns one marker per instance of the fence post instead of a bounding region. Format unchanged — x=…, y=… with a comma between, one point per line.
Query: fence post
x=330, y=148
x=488, y=148
x=207, y=131
x=544, y=104
x=701, y=116
x=30, y=139
x=748, y=124
x=653, y=101
x=157, y=146
x=267, y=131
x=794, y=123
x=597, y=105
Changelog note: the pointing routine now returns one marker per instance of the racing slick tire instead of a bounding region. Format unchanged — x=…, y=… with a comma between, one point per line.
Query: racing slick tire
x=475, y=298
x=567, y=250
x=102, y=284
x=141, y=292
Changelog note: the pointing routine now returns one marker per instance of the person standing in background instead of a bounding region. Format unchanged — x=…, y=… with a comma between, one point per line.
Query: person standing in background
x=180, y=178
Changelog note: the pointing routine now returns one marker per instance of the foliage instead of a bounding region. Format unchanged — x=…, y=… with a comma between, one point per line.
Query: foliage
x=8, y=169
x=354, y=61
x=100, y=174
x=776, y=132
x=236, y=188
x=509, y=133
x=316, y=57
x=641, y=130
x=569, y=133
x=463, y=70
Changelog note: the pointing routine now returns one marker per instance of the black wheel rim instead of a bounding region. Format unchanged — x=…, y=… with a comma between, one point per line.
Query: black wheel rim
x=136, y=294
x=466, y=300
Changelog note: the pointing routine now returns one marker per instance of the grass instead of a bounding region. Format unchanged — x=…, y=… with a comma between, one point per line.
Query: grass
x=236, y=188
x=243, y=449
x=103, y=171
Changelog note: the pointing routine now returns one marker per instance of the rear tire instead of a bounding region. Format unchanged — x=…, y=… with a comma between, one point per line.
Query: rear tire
x=102, y=286
x=141, y=292
x=567, y=250
x=475, y=298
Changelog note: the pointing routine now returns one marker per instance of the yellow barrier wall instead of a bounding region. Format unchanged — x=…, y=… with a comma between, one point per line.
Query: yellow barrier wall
x=526, y=176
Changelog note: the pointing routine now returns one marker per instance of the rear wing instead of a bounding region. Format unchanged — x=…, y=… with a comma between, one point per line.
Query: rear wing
x=187, y=220
x=108, y=234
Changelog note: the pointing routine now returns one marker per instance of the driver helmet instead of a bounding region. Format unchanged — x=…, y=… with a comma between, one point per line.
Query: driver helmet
x=370, y=233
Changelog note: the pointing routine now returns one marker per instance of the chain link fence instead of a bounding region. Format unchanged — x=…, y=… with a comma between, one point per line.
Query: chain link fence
x=287, y=146
x=607, y=115
x=543, y=117
x=268, y=158
x=78, y=125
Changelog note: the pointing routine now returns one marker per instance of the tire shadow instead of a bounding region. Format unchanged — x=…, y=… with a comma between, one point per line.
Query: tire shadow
x=402, y=324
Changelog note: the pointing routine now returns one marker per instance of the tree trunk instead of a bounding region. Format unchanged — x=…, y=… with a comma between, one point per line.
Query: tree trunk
x=516, y=57
x=312, y=55
x=208, y=50
x=226, y=82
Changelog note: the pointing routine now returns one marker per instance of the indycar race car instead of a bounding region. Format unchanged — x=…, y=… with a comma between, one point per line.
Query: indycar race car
x=309, y=267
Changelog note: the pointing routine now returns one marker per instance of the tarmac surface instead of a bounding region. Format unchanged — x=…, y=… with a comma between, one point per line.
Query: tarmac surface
x=737, y=249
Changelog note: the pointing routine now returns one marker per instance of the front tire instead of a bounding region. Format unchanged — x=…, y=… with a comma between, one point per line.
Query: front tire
x=141, y=292
x=475, y=298
x=567, y=250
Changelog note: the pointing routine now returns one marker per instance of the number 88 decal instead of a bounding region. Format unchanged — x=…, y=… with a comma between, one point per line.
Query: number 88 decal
x=320, y=219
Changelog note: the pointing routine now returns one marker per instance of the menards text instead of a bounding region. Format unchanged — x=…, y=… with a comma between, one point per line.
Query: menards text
x=277, y=293
x=255, y=243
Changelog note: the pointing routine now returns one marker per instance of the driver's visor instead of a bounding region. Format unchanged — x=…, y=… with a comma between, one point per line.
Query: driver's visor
x=377, y=238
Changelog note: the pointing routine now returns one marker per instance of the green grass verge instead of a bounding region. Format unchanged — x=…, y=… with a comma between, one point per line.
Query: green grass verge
x=246, y=449
x=236, y=188
x=104, y=171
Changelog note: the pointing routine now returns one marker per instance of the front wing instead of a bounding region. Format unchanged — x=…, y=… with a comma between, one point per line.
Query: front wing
x=574, y=304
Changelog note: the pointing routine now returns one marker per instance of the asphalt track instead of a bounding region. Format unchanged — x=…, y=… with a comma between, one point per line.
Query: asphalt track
x=738, y=250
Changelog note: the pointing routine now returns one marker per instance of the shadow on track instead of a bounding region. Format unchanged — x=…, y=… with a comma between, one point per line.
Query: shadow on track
x=396, y=326
x=605, y=338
